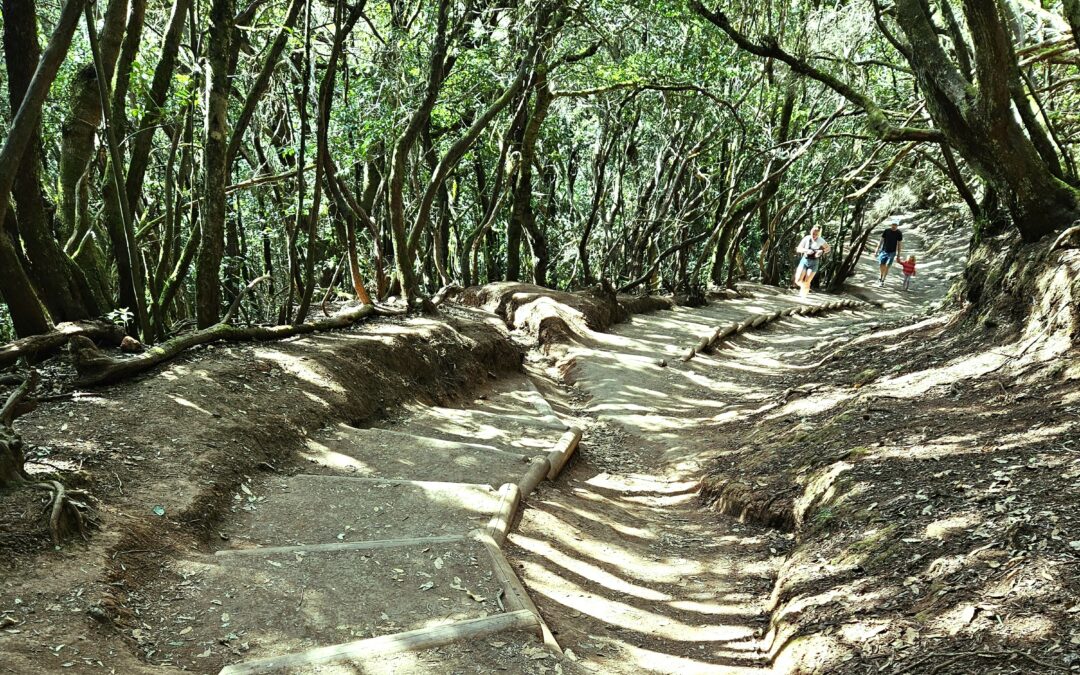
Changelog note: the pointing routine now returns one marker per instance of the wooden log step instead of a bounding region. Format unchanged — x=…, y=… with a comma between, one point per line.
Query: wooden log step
x=342, y=546
x=386, y=645
x=297, y=601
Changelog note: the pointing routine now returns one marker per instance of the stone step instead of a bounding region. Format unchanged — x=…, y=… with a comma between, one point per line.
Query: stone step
x=318, y=509
x=385, y=453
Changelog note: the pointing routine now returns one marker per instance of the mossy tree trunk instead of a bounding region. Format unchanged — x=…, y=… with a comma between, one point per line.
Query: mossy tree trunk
x=58, y=280
x=27, y=313
x=208, y=265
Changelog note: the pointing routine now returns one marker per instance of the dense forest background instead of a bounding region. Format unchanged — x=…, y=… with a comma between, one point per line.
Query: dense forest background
x=162, y=158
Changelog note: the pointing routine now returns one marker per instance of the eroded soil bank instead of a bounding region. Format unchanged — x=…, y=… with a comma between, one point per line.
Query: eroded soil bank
x=928, y=471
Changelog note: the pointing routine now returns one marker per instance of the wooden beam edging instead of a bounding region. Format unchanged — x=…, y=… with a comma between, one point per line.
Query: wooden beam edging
x=517, y=598
x=499, y=524
x=538, y=471
x=542, y=406
x=707, y=344
x=560, y=454
x=386, y=645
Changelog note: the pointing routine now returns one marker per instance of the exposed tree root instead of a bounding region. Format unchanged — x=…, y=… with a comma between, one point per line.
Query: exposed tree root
x=710, y=342
x=36, y=346
x=1066, y=239
x=95, y=368
x=70, y=511
x=447, y=292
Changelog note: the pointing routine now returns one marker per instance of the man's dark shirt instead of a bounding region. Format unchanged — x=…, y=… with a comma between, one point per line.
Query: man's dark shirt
x=890, y=238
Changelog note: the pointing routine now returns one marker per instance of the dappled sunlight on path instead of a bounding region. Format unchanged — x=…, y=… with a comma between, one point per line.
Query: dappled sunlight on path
x=638, y=581
x=629, y=571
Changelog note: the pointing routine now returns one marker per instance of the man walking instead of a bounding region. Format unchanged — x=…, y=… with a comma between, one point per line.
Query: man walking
x=889, y=248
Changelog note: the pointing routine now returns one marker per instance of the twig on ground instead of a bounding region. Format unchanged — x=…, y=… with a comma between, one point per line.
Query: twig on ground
x=137, y=550
x=41, y=462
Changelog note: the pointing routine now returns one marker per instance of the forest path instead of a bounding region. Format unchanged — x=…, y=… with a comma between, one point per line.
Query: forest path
x=628, y=570
x=381, y=551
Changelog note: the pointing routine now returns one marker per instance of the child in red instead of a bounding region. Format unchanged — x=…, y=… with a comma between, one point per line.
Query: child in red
x=909, y=270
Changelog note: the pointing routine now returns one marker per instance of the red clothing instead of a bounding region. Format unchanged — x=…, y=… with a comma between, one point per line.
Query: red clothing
x=909, y=267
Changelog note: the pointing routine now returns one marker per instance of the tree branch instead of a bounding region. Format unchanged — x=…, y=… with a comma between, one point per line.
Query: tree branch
x=769, y=47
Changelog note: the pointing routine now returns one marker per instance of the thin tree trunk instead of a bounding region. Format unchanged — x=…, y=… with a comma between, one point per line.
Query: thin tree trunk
x=344, y=26
x=142, y=140
x=211, y=250
x=436, y=75
x=79, y=131
x=522, y=211
x=114, y=188
x=262, y=81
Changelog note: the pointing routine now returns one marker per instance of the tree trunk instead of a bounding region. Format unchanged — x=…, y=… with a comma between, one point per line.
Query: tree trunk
x=405, y=254
x=211, y=250
x=59, y=281
x=983, y=127
x=118, y=214
x=11, y=458
x=79, y=131
x=1072, y=15
x=522, y=213
x=142, y=140
x=27, y=313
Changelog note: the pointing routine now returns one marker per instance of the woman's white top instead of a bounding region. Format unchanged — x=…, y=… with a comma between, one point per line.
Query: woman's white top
x=814, y=245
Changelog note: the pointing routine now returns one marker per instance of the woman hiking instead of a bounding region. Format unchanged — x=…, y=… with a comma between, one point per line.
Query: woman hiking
x=812, y=247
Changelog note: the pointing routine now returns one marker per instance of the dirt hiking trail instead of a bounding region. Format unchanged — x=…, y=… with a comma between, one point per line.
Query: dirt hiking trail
x=395, y=546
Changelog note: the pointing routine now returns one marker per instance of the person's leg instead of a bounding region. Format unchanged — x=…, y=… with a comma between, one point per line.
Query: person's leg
x=907, y=281
x=806, y=282
x=887, y=266
x=803, y=275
